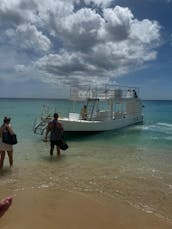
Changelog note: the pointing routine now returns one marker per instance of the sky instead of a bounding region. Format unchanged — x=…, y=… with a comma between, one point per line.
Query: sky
x=47, y=45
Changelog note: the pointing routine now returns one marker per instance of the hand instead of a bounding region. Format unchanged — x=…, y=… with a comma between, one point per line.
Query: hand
x=5, y=204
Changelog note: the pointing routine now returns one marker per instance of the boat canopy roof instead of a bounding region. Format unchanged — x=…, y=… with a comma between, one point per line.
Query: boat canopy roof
x=85, y=92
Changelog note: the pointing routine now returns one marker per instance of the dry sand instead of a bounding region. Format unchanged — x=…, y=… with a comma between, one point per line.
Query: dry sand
x=52, y=209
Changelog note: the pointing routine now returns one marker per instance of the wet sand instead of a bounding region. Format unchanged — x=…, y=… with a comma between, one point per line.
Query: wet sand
x=46, y=208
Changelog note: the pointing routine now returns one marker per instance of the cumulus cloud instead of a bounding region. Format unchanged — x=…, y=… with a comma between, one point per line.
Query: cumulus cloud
x=27, y=36
x=98, y=2
x=118, y=23
x=73, y=41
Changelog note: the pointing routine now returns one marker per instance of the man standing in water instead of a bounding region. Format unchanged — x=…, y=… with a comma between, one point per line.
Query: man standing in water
x=56, y=134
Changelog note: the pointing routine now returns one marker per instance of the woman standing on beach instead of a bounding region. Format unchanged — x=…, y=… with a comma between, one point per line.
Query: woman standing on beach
x=6, y=126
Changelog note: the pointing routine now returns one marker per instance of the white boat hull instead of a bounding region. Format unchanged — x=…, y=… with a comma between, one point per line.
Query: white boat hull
x=94, y=126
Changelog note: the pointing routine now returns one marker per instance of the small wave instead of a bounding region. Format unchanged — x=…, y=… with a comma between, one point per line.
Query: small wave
x=169, y=138
x=164, y=124
x=164, y=128
x=152, y=126
x=154, y=138
x=144, y=127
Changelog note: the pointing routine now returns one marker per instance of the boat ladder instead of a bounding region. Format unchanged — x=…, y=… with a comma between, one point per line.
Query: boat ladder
x=40, y=127
x=92, y=107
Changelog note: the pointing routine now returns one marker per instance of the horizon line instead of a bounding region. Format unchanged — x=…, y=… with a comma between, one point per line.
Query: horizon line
x=144, y=99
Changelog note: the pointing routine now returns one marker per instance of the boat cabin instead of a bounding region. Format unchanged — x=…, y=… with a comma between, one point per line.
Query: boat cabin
x=107, y=103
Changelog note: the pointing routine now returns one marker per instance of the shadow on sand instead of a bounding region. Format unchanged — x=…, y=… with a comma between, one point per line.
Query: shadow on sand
x=79, y=135
x=53, y=158
x=5, y=171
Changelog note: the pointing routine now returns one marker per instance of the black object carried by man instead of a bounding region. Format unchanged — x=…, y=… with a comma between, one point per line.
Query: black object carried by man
x=63, y=145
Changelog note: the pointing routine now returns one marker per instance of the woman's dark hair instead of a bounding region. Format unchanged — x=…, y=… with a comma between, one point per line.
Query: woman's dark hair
x=7, y=120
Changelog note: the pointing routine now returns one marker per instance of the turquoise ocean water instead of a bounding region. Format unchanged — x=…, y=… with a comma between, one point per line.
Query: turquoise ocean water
x=134, y=163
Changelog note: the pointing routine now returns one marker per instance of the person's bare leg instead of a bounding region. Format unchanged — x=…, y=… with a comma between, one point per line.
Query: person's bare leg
x=2, y=154
x=5, y=204
x=10, y=156
x=51, y=150
x=58, y=150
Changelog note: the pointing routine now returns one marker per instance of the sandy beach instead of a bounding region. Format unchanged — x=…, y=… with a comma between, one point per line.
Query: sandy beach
x=46, y=208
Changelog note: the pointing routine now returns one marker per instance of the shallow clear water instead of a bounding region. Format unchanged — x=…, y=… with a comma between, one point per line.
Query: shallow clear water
x=134, y=163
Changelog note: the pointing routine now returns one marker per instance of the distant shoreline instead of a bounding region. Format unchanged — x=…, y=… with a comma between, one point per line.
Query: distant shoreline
x=35, y=98
x=15, y=98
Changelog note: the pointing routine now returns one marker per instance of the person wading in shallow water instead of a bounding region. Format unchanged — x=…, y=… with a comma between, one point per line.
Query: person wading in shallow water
x=56, y=134
x=6, y=126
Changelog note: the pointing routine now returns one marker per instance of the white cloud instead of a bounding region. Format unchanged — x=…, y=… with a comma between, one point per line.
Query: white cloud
x=27, y=36
x=32, y=38
x=76, y=45
x=118, y=22
x=102, y=3
x=80, y=30
x=145, y=31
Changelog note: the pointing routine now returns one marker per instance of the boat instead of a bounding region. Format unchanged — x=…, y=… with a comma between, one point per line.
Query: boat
x=108, y=108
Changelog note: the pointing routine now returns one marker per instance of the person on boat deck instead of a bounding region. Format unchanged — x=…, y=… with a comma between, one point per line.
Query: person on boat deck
x=84, y=113
x=129, y=94
x=56, y=134
x=135, y=94
x=6, y=126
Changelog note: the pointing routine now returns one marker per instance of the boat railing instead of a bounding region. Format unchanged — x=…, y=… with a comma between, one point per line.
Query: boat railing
x=103, y=93
x=40, y=125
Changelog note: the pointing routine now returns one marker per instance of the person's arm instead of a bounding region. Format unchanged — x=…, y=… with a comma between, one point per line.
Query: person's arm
x=61, y=128
x=47, y=131
x=81, y=113
x=9, y=128
x=1, y=131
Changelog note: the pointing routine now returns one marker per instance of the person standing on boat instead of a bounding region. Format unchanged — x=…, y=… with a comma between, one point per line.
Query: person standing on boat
x=129, y=94
x=56, y=134
x=6, y=126
x=84, y=113
x=135, y=94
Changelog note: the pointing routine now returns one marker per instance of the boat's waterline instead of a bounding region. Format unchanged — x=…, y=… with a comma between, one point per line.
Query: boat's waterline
x=89, y=126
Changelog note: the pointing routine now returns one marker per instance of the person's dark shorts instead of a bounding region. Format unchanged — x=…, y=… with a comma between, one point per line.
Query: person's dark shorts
x=55, y=143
